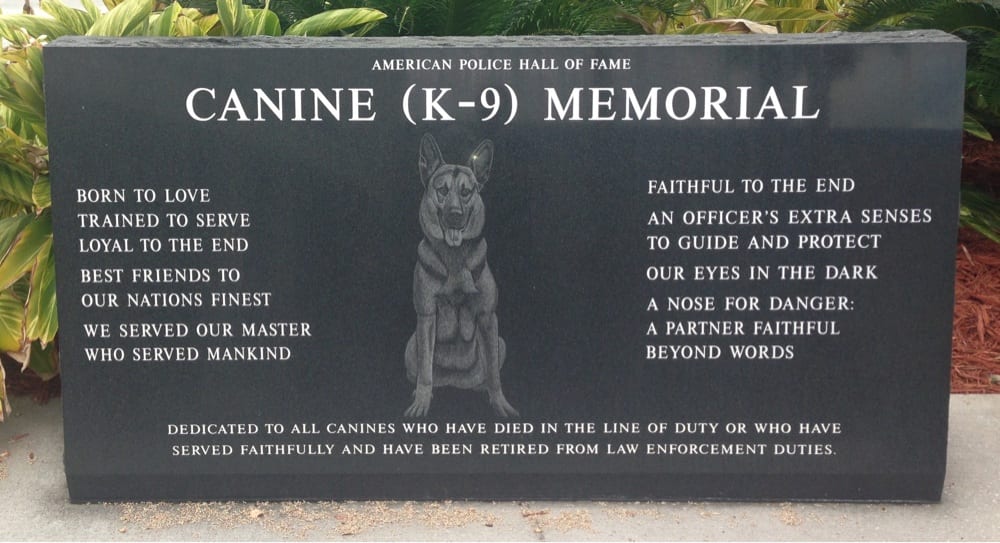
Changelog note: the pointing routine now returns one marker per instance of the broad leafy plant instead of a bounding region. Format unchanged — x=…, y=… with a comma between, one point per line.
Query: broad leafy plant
x=28, y=321
x=734, y=16
x=28, y=318
x=477, y=17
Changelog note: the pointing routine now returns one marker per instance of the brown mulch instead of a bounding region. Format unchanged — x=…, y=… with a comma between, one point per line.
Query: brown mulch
x=975, y=359
x=975, y=365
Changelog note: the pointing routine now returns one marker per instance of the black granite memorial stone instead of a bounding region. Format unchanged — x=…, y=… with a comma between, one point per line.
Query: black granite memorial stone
x=714, y=268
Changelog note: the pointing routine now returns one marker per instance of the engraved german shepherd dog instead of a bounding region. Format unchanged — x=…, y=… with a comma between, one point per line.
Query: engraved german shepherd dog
x=457, y=341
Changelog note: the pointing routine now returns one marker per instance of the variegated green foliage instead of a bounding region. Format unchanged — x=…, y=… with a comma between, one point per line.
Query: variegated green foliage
x=28, y=319
x=734, y=16
x=533, y=17
x=153, y=18
x=470, y=17
x=330, y=22
x=256, y=17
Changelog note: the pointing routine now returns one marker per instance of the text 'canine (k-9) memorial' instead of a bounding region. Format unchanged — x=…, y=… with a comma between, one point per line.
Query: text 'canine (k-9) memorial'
x=566, y=268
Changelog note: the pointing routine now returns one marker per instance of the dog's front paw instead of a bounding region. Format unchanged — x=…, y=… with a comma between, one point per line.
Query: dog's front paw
x=502, y=407
x=421, y=402
x=466, y=283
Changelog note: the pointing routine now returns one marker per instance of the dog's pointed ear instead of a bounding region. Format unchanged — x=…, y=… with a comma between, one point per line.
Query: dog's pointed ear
x=430, y=158
x=481, y=161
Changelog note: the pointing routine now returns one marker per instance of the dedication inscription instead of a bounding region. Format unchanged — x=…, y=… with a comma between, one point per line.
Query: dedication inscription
x=515, y=268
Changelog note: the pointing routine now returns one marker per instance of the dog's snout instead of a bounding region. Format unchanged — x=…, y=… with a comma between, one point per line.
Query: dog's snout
x=454, y=218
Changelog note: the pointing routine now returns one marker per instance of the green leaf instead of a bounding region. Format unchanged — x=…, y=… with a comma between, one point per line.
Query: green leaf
x=777, y=15
x=974, y=127
x=729, y=26
x=21, y=85
x=879, y=14
x=335, y=20
x=16, y=185
x=11, y=25
x=162, y=23
x=77, y=21
x=10, y=209
x=20, y=257
x=4, y=404
x=41, y=193
x=11, y=322
x=129, y=18
x=715, y=8
x=22, y=105
x=10, y=228
x=953, y=17
x=233, y=16
x=41, y=318
x=91, y=8
x=981, y=212
x=264, y=22
x=44, y=361
x=209, y=25
x=185, y=27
